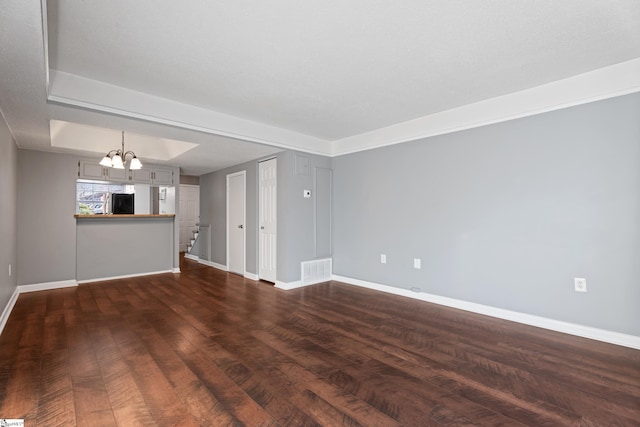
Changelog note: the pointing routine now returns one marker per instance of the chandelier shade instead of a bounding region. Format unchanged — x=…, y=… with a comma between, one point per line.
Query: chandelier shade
x=117, y=158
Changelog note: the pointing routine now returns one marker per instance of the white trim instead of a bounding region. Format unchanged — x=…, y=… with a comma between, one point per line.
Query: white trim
x=8, y=308
x=124, y=276
x=608, y=82
x=206, y=262
x=70, y=89
x=45, y=41
x=218, y=266
x=213, y=264
x=251, y=276
x=176, y=270
x=192, y=257
x=611, y=337
x=22, y=289
x=47, y=286
x=287, y=286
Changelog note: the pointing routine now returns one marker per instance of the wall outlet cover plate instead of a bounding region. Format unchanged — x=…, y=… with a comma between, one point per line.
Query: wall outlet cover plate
x=580, y=284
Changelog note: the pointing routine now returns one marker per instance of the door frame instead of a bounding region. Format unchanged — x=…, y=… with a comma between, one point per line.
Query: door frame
x=244, y=219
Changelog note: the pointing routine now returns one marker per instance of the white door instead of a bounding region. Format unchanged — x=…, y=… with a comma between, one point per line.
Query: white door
x=236, y=222
x=267, y=218
x=189, y=213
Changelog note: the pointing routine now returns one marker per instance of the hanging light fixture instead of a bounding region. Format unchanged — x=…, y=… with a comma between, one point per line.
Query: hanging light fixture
x=117, y=158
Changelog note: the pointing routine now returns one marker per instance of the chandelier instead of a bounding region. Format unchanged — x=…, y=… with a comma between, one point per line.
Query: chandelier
x=117, y=158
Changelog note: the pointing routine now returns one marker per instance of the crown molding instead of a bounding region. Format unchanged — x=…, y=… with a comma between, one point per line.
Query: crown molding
x=600, y=84
x=77, y=91
x=603, y=83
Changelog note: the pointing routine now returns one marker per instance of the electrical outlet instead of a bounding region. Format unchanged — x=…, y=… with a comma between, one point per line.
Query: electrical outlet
x=383, y=259
x=580, y=284
x=417, y=263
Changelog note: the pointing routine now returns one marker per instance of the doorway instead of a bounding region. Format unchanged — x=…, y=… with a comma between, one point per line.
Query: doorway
x=189, y=208
x=236, y=221
x=267, y=218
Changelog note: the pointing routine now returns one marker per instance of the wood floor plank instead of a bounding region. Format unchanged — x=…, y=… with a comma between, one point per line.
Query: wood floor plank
x=91, y=400
x=164, y=403
x=427, y=369
x=217, y=369
x=205, y=347
x=197, y=396
x=56, y=405
x=127, y=402
x=21, y=390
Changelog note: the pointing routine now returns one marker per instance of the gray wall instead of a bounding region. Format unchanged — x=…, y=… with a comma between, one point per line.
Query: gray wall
x=8, y=214
x=505, y=215
x=298, y=224
x=298, y=227
x=47, y=228
x=213, y=212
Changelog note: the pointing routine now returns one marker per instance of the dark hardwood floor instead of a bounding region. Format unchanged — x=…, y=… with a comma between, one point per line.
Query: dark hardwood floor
x=208, y=348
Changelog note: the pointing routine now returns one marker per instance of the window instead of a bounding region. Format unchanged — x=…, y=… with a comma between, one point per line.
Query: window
x=92, y=197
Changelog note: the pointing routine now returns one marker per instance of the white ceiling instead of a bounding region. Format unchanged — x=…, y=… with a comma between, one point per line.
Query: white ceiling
x=244, y=79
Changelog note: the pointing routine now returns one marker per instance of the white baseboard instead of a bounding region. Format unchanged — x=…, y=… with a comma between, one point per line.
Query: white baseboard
x=218, y=266
x=7, y=309
x=213, y=264
x=47, y=286
x=251, y=276
x=611, y=337
x=21, y=289
x=125, y=276
x=176, y=270
x=209, y=263
x=287, y=286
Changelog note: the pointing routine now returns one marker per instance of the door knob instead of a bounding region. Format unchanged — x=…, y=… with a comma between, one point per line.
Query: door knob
x=262, y=227
x=241, y=226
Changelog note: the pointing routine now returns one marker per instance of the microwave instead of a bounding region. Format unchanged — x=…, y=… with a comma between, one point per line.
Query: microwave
x=122, y=203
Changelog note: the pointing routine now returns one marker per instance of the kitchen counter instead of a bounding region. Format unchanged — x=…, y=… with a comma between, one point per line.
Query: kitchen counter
x=112, y=246
x=110, y=216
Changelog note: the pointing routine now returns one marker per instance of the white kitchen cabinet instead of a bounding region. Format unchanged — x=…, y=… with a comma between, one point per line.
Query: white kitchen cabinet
x=91, y=169
x=95, y=171
x=141, y=176
x=153, y=176
x=162, y=176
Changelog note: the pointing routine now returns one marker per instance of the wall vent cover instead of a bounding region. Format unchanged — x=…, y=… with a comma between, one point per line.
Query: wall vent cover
x=316, y=271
